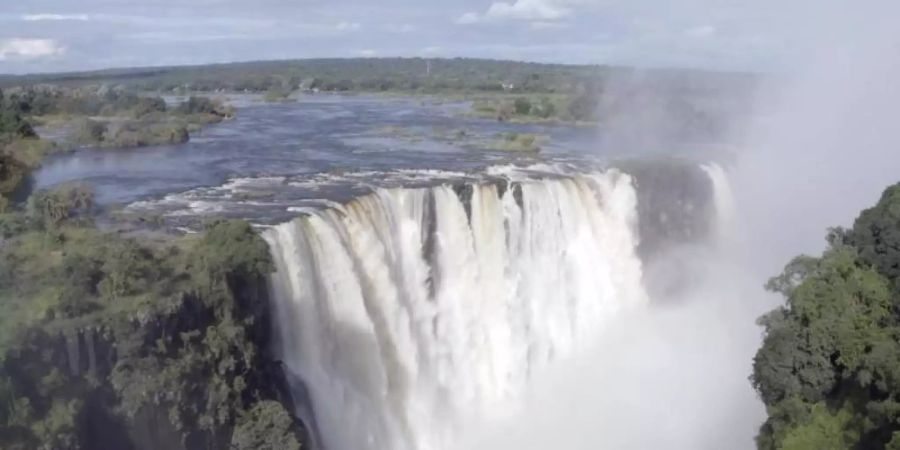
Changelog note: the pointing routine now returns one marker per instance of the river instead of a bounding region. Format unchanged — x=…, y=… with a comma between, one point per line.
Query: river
x=274, y=159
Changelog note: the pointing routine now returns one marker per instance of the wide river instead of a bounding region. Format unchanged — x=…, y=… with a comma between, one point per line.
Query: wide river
x=273, y=160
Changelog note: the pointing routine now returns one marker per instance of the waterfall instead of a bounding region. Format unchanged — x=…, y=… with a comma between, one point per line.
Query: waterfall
x=723, y=199
x=405, y=309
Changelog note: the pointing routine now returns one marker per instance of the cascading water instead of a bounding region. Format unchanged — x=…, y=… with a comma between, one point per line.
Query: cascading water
x=406, y=308
x=672, y=374
x=723, y=199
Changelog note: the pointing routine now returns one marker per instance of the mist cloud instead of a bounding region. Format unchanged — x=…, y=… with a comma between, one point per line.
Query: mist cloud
x=823, y=144
x=826, y=142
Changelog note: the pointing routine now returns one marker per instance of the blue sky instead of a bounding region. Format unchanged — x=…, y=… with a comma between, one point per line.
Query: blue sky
x=55, y=35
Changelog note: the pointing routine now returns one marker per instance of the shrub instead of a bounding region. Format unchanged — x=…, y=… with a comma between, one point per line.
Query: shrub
x=266, y=426
x=52, y=207
x=12, y=176
x=876, y=233
x=519, y=142
x=276, y=95
x=148, y=105
x=90, y=132
x=230, y=248
x=545, y=109
x=199, y=105
x=136, y=134
x=522, y=106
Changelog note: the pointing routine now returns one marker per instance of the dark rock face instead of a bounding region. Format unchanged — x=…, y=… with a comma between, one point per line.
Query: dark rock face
x=675, y=204
x=676, y=214
x=88, y=356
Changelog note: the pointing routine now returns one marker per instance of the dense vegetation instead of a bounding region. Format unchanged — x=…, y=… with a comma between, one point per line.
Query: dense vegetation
x=93, y=116
x=691, y=101
x=829, y=368
x=519, y=142
x=388, y=74
x=17, y=138
x=101, y=116
x=382, y=74
x=116, y=117
x=113, y=341
x=110, y=341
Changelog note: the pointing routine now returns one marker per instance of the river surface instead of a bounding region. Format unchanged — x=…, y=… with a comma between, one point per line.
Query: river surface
x=274, y=160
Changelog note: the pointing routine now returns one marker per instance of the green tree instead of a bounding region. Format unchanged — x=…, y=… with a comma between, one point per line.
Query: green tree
x=836, y=342
x=12, y=176
x=90, y=132
x=832, y=317
x=198, y=105
x=148, y=105
x=823, y=430
x=230, y=248
x=266, y=426
x=128, y=269
x=545, y=109
x=63, y=203
x=876, y=233
x=522, y=106
x=12, y=123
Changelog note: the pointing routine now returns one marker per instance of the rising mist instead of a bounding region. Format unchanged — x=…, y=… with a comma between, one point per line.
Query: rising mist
x=823, y=143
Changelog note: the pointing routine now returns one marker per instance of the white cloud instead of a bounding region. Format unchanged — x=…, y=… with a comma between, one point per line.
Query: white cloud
x=525, y=10
x=642, y=32
x=347, y=26
x=368, y=53
x=545, y=25
x=529, y=10
x=469, y=18
x=701, y=31
x=165, y=37
x=55, y=17
x=401, y=29
x=29, y=48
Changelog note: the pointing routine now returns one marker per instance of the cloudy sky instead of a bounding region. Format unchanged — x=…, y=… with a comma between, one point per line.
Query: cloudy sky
x=57, y=35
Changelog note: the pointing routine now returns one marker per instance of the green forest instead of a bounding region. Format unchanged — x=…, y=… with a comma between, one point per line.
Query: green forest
x=142, y=341
x=94, y=116
x=829, y=368
x=126, y=340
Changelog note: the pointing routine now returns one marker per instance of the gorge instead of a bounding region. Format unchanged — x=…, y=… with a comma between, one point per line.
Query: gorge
x=405, y=310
